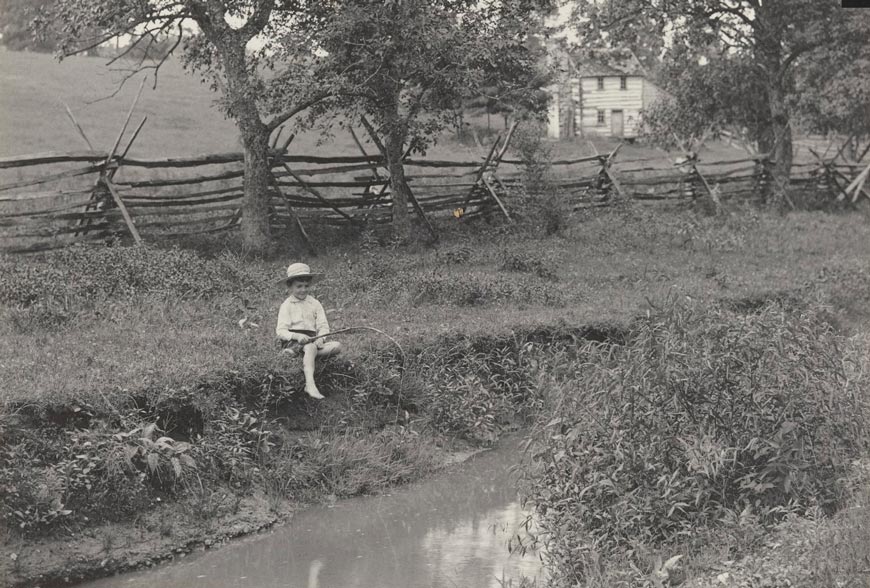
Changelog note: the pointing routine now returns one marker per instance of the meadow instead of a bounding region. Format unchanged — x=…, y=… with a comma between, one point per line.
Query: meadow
x=35, y=88
x=142, y=393
x=99, y=341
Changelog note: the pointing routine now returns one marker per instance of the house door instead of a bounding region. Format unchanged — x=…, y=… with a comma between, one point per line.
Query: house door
x=617, y=127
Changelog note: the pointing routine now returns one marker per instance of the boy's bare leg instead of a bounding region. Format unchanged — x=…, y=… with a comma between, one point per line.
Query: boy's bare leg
x=311, y=353
x=329, y=349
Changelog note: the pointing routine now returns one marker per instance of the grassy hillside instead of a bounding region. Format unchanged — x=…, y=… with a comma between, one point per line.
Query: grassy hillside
x=606, y=268
x=182, y=116
x=181, y=111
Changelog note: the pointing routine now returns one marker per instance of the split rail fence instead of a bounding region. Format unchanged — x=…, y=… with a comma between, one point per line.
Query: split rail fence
x=58, y=199
x=53, y=200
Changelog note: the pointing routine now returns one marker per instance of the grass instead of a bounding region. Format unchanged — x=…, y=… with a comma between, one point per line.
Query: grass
x=606, y=268
x=182, y=117
x=705, y=427
x=95, y=341
x=33, y=120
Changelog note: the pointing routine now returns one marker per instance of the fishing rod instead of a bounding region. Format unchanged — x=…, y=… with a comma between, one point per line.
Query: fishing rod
x=352, y=329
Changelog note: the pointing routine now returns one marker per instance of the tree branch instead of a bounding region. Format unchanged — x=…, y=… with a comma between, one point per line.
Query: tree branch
x=258, y=20
x=797, y=52
x=279, y=119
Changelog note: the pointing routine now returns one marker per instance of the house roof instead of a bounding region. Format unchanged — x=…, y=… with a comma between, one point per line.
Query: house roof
x=594, y=62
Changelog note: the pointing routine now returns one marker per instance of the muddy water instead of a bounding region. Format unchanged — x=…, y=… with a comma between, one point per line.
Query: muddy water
x=451, y=531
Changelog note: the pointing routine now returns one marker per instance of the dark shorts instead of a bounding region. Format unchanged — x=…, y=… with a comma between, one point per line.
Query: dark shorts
x=292, y=344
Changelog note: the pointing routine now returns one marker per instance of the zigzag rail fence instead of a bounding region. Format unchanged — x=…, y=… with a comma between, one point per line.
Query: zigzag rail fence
x=53, y=200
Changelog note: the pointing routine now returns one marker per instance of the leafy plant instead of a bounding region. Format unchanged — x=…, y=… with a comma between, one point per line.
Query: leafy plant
x=33, y=498
x=160, y=458
x=234, y=443
x=474, y=390
x=704, y=416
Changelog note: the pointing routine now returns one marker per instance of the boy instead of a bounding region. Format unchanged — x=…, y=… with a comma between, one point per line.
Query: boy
x=300, y=319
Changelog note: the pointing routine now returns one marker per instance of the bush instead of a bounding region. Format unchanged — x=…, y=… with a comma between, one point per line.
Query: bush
x=536, y=153
x=703, y=416
x=88, y=475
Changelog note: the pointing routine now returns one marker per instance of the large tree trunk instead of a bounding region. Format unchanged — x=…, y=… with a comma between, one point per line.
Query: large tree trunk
x=258, y=180
x=394, y=145
x=770, y=54
x=256, y=230
x=782, y=141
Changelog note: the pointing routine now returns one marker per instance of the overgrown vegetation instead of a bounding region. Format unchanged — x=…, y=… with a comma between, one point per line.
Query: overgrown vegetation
x=706, y=421
x=67, y=467
x=164, y=385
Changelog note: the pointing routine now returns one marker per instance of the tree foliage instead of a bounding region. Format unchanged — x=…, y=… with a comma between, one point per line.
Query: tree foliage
x=704, y=100
x=408, y=65
x=15, y=19
x=217, y=51
x=834, y=92
x=759, y=46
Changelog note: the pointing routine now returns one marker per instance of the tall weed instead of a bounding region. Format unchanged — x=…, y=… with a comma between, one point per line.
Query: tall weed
x=705, y=416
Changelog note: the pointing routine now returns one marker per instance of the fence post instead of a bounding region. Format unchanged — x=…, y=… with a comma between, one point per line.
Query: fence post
x=763, y=177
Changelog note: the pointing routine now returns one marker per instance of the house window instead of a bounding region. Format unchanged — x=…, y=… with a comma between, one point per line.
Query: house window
x=600, y=117
x=623, y=83
x=600, y=83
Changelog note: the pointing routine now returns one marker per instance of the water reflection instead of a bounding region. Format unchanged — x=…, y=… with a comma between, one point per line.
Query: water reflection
x=447, y=532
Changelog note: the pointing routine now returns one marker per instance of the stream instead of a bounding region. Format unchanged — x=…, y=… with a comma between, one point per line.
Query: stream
x=448, y=531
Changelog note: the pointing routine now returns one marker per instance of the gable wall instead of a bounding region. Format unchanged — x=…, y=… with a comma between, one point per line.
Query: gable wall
x=630, y=101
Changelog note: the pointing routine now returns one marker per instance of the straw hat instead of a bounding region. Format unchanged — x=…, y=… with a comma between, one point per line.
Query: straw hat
x=299, y=270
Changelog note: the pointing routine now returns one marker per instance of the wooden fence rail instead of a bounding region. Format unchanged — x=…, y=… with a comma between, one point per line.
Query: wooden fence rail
x=55, y=200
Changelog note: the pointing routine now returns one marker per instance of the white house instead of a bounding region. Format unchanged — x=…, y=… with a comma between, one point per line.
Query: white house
x=600, y=91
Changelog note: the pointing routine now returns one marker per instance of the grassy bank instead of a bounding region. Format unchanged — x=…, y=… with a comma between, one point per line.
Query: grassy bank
x=717, y=445
x=146, y=381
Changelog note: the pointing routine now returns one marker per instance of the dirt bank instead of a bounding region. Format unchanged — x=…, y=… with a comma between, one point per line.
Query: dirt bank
x=169, y=531
x=244, y=451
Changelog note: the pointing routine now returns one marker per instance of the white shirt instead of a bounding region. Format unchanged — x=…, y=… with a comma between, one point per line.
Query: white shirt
x=302, y=315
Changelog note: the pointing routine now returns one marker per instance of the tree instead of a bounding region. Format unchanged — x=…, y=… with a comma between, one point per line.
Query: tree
x=499, y=95
x=706, y=99
x=774, y=38
x=408, y=65
x=15, y=19
x=834, y=94
x=218, y=52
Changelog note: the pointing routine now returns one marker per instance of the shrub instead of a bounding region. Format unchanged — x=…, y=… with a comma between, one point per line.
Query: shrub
x=88, y=474
x=530, y=142
x=703, y=416
x=233, y=444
